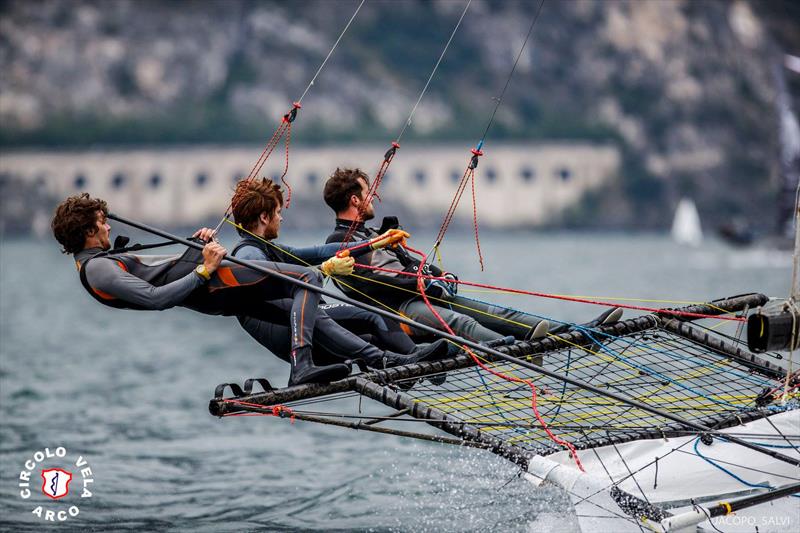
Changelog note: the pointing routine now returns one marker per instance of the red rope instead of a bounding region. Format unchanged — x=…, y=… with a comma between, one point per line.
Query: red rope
x=372, y=192
x=421, y=287
x=555, y=296
x=448, y=217
x=265, y=410
x=284, y=127
x=468, y=176
x=286, y=166
x=270, y=146
x=475, y=219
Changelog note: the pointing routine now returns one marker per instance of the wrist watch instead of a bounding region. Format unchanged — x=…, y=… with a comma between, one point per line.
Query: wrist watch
x=201, y=271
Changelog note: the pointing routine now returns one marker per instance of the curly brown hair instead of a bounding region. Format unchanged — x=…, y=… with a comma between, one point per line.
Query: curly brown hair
x=76, y=218
x=253, y=197
x=341, y=186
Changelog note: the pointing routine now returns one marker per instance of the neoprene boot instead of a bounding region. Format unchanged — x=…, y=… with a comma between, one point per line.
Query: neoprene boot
x=609, y=316
x=426, y=352
x=539, y=332
x=304, y=371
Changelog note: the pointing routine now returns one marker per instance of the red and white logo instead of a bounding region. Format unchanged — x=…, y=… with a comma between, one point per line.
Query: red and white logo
x=55, y=482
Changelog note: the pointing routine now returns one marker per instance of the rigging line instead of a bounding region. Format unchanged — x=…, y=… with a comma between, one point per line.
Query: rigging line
x=460, y=340
x=566, y=444
x=678, y=449
x=508, y=81
x=778, y=431
x=506, y=424
x=331, y=51
x=623, y=299
x=625, y=463
x=665, y=352
x=554, y=296
x=395, y=145
x=433, y=72
x=638, y=470
x=469, y=173
x=637, y=344
x=285, y=126
x=660, y=375
x=737, y=465
x=734, y=476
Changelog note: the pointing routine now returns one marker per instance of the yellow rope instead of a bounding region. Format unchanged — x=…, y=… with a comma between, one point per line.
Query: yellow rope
x=479, y=398
x=447, y=302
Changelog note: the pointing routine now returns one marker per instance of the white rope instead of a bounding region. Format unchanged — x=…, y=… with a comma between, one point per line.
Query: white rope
x=424, y=90
x=331, y=51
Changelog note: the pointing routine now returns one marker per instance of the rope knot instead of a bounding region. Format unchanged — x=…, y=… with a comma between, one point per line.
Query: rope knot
x=292, y=114
x=473, y=163
x=282, y=411
x=391, y=151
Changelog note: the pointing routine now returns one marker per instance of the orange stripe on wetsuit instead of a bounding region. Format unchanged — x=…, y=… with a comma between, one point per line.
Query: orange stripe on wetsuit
x=102, y=294
x=228, y=277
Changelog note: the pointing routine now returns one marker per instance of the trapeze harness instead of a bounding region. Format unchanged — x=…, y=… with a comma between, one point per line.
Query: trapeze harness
x=396, y=259
x=159, y=271
x=157, y=274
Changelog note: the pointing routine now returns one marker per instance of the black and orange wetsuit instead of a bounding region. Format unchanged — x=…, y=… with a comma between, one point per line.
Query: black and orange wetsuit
x=343, y=339
x=131, y=281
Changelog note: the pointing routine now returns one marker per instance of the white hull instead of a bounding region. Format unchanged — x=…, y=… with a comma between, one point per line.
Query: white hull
x=682, y=476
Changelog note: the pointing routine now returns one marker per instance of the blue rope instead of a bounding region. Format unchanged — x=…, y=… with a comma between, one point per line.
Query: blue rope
x=499, y=411
x=590, y=334
x=734, y=476
x=737, y=373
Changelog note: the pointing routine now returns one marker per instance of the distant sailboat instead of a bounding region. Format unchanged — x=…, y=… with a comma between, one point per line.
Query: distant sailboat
x=686, y=224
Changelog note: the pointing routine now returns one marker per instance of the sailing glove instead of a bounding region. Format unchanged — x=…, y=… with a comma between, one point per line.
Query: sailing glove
x=392, y=237
x=338, y=266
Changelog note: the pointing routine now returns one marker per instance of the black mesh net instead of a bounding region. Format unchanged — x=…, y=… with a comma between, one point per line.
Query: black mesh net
x=657, y=367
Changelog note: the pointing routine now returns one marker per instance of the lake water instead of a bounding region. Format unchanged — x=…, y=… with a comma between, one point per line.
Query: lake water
x=129, y=392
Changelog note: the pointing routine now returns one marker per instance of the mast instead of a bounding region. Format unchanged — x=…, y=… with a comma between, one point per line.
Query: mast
x=795, y=295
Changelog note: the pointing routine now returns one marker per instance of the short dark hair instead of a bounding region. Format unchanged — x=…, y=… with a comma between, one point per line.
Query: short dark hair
x=253, y=197
x=341, y=186
x=75, y=219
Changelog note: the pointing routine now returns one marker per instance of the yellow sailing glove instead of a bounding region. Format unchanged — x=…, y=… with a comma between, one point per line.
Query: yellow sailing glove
x=338, y=266
x=393, y=238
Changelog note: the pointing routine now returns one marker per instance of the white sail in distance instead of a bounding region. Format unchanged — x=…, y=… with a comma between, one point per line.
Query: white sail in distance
x=686, y=224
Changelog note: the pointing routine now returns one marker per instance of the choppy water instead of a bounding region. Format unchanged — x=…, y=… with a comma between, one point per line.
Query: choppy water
x=129, y=391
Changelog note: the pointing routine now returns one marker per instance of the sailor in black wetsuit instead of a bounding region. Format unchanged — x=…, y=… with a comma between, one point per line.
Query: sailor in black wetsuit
x=203, y=282
x=256, y=208
x=345, y=192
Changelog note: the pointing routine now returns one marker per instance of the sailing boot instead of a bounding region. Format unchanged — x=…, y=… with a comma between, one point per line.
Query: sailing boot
x=538, y=332
x=424, y=352
x=609, y=316
x=304, y=371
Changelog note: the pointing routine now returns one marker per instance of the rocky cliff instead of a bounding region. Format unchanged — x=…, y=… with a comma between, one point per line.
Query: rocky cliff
x=686, y=88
